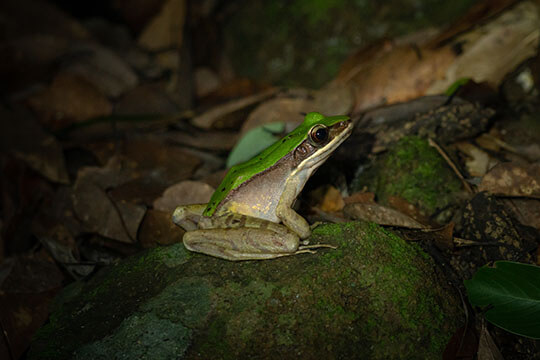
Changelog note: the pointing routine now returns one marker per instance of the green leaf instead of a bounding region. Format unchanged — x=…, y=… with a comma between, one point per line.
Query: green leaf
x=511, y=293
x=255, y=141
x=456, y=85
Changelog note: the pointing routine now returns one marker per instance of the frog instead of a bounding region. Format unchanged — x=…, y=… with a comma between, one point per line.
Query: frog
x=250, y=215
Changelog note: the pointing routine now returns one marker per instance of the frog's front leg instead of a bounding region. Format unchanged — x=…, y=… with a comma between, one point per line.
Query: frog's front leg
x=188, y=216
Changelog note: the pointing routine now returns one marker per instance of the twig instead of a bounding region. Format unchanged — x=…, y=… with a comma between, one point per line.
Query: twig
x=452, y=165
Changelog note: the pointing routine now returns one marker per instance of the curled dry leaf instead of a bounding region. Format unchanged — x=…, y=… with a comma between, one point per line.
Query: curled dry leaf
x=381, y=215
x=509, y=179
x=184, y=193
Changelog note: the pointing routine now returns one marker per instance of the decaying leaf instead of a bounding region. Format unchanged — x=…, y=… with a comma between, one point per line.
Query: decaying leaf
x=509, y=179
x=184, y=193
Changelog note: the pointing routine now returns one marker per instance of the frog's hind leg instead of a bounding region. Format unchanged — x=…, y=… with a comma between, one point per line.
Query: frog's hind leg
x=243, y=243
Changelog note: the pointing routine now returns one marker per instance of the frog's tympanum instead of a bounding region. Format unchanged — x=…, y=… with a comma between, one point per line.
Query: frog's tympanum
x=249, y=216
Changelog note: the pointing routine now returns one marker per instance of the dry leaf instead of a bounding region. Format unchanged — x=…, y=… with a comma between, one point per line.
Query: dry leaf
x=487, y=349
x=361, y=197
x=207, y=119
x=381, y=215
x=477, y=161
x=391, y=74
x=97, y=209
x=527, y=211
x=332, y=200
x=69, y=99
x=157, y=228
x=509, y=179
x=101, y=67
x=492, y=51
x=184, y=193
x=165, y=30
x=24, y=137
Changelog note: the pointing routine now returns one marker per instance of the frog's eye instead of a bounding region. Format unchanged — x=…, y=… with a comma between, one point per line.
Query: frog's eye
x=318, y=134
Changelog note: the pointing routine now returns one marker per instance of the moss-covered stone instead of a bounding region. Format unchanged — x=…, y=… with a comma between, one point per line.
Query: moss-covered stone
x=415, y=171
x=375, y=296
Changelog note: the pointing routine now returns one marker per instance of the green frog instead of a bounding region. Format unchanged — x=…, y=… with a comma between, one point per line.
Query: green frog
x=250, y=215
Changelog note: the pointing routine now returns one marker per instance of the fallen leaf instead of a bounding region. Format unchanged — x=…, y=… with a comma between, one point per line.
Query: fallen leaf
x=389, y=74
x=477, y=161
x=527, y=211
x=28, y=285
x=333, y=99
x=209, y=118
x=145, y=99
x=98, y=211
x=493, y=50
x=206, y=81
x=184, y=193
x=360, y=197
x=208, y=140
x=405, y=207
x=508, y=179
x=69, y=99
x=23, y=137
x=487, y=349
x=165, y=30
x=332, y=201
x=157, y=228
x=101, y=67
x=381, y=215
x=463, y=345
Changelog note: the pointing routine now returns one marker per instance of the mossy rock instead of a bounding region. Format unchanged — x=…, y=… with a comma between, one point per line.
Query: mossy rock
x=415, y=171
x=374, y=297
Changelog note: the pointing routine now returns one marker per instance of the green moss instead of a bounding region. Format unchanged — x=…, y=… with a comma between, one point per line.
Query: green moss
x=140, y=337
x=416, y=172
x=185, y=301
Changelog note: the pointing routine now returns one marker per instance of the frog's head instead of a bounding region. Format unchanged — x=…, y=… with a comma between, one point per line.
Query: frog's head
x=322, y=135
